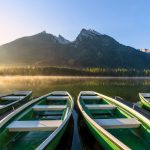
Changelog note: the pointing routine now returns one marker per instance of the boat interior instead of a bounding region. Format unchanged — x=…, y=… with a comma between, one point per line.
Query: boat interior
x=9, y=99
x=115, y=120
x=36, y=123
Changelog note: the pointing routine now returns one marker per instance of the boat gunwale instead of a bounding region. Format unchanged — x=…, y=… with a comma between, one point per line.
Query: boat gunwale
x=144, y=101
x=101, y=129
x=6, y=119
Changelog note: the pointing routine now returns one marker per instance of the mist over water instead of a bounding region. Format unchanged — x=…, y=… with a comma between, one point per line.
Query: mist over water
x=127, y=88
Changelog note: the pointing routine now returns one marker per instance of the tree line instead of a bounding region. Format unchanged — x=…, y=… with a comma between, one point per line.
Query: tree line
x=48, y=70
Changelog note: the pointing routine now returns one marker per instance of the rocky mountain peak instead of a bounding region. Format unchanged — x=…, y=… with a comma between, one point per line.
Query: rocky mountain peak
x=91, y=34
x=56, y=39
x=62, y=40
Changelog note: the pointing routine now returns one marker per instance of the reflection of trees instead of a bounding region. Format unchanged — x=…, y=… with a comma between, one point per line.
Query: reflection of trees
x=37, y=70
x=126, y=88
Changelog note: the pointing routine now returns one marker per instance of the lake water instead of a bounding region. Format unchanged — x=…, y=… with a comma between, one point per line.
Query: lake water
x=127, y=88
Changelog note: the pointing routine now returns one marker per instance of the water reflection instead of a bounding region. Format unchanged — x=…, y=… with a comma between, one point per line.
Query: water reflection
x=87, y=139
x=128, y=88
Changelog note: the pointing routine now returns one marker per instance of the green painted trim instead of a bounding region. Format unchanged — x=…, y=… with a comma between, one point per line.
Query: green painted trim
x=144, y=102
x=101, y=138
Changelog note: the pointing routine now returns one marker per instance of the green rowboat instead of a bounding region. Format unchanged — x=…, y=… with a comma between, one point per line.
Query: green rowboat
x=38, y=124
x=114, y=124
x=145, y=99
x=11, y=101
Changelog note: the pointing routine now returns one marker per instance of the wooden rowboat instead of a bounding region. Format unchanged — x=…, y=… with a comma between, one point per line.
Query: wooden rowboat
x=145, y=100
x=114, y=124
x=11, y=101
x=136, y=106
x=39, y=124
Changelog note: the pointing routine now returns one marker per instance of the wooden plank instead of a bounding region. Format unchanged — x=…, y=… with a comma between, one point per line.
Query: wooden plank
x=88, y=93
x=147, y=99
x=57, y=97
x=63, y=93
x=12, y=98
x=1, y=106
x=22, y=93
x=145, y=94
x=48, y=107
x=90, y=97
x=42, y=125
x=118, y=123
x=100, y=106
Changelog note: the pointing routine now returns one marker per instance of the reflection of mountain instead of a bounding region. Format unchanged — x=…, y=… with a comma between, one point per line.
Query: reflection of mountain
x=90, y=49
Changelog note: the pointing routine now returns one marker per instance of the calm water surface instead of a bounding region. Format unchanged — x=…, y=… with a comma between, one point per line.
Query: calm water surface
x=127, y=88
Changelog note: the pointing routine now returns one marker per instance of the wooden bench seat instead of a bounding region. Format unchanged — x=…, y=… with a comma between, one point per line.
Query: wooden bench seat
x=90, y=97
x=48, y=107
x=9, y=98
x=100, y=106
x=118, y=123
x=91, y=93
x=1, y=106
x=22, y=93
x=145, y=94
x=42, y=125
x=148, y=99
x=62, y=93
x=57, y=97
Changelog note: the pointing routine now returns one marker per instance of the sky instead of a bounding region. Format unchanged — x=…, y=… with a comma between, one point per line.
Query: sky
x=128, y=21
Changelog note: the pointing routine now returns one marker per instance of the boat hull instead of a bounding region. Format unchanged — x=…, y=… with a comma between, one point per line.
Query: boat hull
x=106, y=143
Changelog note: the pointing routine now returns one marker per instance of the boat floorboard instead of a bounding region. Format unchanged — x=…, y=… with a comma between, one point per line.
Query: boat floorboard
x=27, y=140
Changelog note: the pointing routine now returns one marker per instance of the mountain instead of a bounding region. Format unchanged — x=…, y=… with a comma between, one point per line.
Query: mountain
x=89, y=49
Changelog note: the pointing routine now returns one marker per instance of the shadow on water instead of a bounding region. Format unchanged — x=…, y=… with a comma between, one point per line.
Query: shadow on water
x=78, y=136
x=76, y=145
x=86, y=138
x=66, y=140
x=71, y=140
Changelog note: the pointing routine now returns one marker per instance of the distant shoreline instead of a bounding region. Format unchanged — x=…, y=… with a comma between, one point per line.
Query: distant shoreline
x=82, y=77
x=66, y=71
